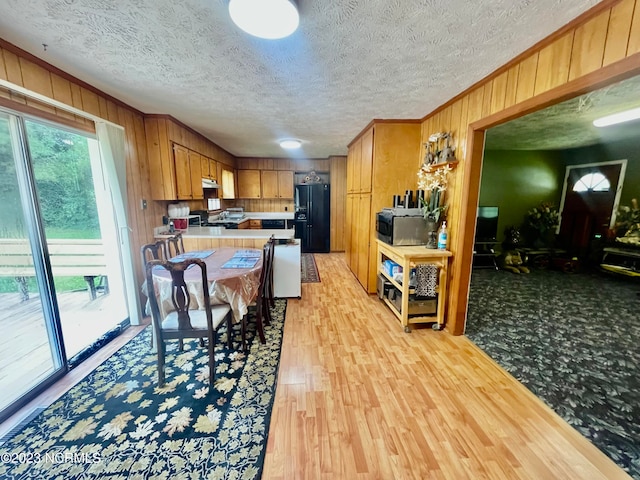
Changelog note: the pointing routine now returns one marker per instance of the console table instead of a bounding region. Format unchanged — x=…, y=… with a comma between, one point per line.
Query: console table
x=409, y=257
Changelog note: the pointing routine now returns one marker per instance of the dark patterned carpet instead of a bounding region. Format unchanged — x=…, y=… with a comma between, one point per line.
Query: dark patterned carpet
x=309, y=269
x=117, y=423
x=574, y=341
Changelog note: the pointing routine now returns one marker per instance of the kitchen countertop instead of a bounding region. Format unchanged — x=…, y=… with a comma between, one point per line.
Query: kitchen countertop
x=219, y=232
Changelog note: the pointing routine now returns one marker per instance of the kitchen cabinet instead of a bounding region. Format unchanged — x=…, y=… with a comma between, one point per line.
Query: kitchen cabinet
x=381, y=162
x=209, y=168
x=183, y=172
x=354, y=154
x=364, y=236
x=195, y=175
x=285, y=184
x=265, y=184
x=348, y=234
x=408, y=258
x=188, y=173
x=269, y=182
x=249, y=184
x=255, y=224
x=277, y=183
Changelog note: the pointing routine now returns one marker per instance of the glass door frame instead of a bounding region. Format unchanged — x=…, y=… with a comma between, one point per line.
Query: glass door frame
x=42, y=266
x=36, y=235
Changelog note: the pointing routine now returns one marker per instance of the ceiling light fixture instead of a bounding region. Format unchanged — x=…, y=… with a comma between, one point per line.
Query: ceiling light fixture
x=270, y=19
x=625, y=116
x=290, y=144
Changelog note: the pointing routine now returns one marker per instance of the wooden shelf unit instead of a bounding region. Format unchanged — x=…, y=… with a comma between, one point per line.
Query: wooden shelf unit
x=408, y=257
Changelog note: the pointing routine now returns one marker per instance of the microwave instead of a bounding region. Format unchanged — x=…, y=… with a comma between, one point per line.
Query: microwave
x=401, y=226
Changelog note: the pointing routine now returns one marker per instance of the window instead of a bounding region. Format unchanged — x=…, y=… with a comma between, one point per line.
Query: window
x=592, y=182
x=228, y=188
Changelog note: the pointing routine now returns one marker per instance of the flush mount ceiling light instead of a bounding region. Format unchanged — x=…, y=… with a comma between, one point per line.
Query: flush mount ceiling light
x=290, y=144
x=271, y=19
x=625, y=116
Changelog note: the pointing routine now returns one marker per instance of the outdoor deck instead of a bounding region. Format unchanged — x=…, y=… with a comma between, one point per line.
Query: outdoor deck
x=24, y=342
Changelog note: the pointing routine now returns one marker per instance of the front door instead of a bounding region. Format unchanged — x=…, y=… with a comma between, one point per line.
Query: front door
x=588, y=204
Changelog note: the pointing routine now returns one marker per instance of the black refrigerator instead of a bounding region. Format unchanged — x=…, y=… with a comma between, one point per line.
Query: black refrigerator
x=312, y=217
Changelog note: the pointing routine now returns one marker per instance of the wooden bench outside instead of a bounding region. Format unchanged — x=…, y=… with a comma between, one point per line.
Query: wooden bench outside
x=69, y=258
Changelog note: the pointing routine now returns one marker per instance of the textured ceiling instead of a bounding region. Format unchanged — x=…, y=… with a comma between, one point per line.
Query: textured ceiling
x=569, y=124
x=349, y=62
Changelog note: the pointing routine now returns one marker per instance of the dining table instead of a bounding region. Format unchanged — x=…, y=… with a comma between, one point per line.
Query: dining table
x=233, y=277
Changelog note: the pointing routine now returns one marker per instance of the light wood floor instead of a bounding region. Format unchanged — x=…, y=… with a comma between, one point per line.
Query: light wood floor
x=359, y=399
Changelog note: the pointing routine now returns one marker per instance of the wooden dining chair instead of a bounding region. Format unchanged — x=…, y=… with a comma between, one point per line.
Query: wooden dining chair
x=185, y=321
x=268, y=293
x=175, y=246
x=260, y=302
x=153, y=251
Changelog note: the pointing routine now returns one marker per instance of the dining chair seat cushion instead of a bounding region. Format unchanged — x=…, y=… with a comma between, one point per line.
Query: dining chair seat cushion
x=198, y=318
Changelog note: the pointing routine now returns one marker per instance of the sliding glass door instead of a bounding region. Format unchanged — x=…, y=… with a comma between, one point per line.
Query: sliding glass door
x=29, y=339
x=90, y=302
x=61, y=273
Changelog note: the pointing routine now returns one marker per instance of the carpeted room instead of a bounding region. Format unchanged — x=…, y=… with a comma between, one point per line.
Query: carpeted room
x=568, y=330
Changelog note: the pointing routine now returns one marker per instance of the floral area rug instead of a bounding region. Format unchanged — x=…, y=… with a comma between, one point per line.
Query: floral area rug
x=117, y=423
x=574, y=341
x=309, y=269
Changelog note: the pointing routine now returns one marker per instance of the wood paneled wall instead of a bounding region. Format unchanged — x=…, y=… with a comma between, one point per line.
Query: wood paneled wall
x=598, y=48
x=25, y=70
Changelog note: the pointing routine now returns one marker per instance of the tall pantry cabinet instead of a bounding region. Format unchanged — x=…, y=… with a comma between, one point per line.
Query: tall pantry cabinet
x=381, y=162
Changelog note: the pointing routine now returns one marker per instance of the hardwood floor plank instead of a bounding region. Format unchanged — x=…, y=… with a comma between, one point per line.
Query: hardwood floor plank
x=357, y=398
x=380, y=403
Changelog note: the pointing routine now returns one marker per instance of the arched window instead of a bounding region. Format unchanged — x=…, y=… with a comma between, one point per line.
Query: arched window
x=592, y=182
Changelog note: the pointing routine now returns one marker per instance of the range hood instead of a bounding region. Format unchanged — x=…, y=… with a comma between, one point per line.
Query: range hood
x=206, y=183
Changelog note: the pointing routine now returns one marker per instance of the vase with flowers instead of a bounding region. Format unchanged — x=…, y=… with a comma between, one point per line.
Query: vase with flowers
x=433, y=180
x=541, y=223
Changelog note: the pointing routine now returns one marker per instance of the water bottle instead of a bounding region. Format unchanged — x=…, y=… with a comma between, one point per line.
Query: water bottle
x=443, y=236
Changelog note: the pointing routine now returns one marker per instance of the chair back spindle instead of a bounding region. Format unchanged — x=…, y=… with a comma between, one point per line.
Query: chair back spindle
x=175, y=245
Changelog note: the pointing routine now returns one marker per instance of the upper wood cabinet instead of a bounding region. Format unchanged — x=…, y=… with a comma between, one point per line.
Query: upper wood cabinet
x=265, y=184
x=177, y=174
x=183, y=172
x=366, y=161
x=195, y=170
x=209, y=168
x=269, y=184
x=354, y=155
x=360, y=164
x=249, y=184
x=285, y=184
x=188, y=173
